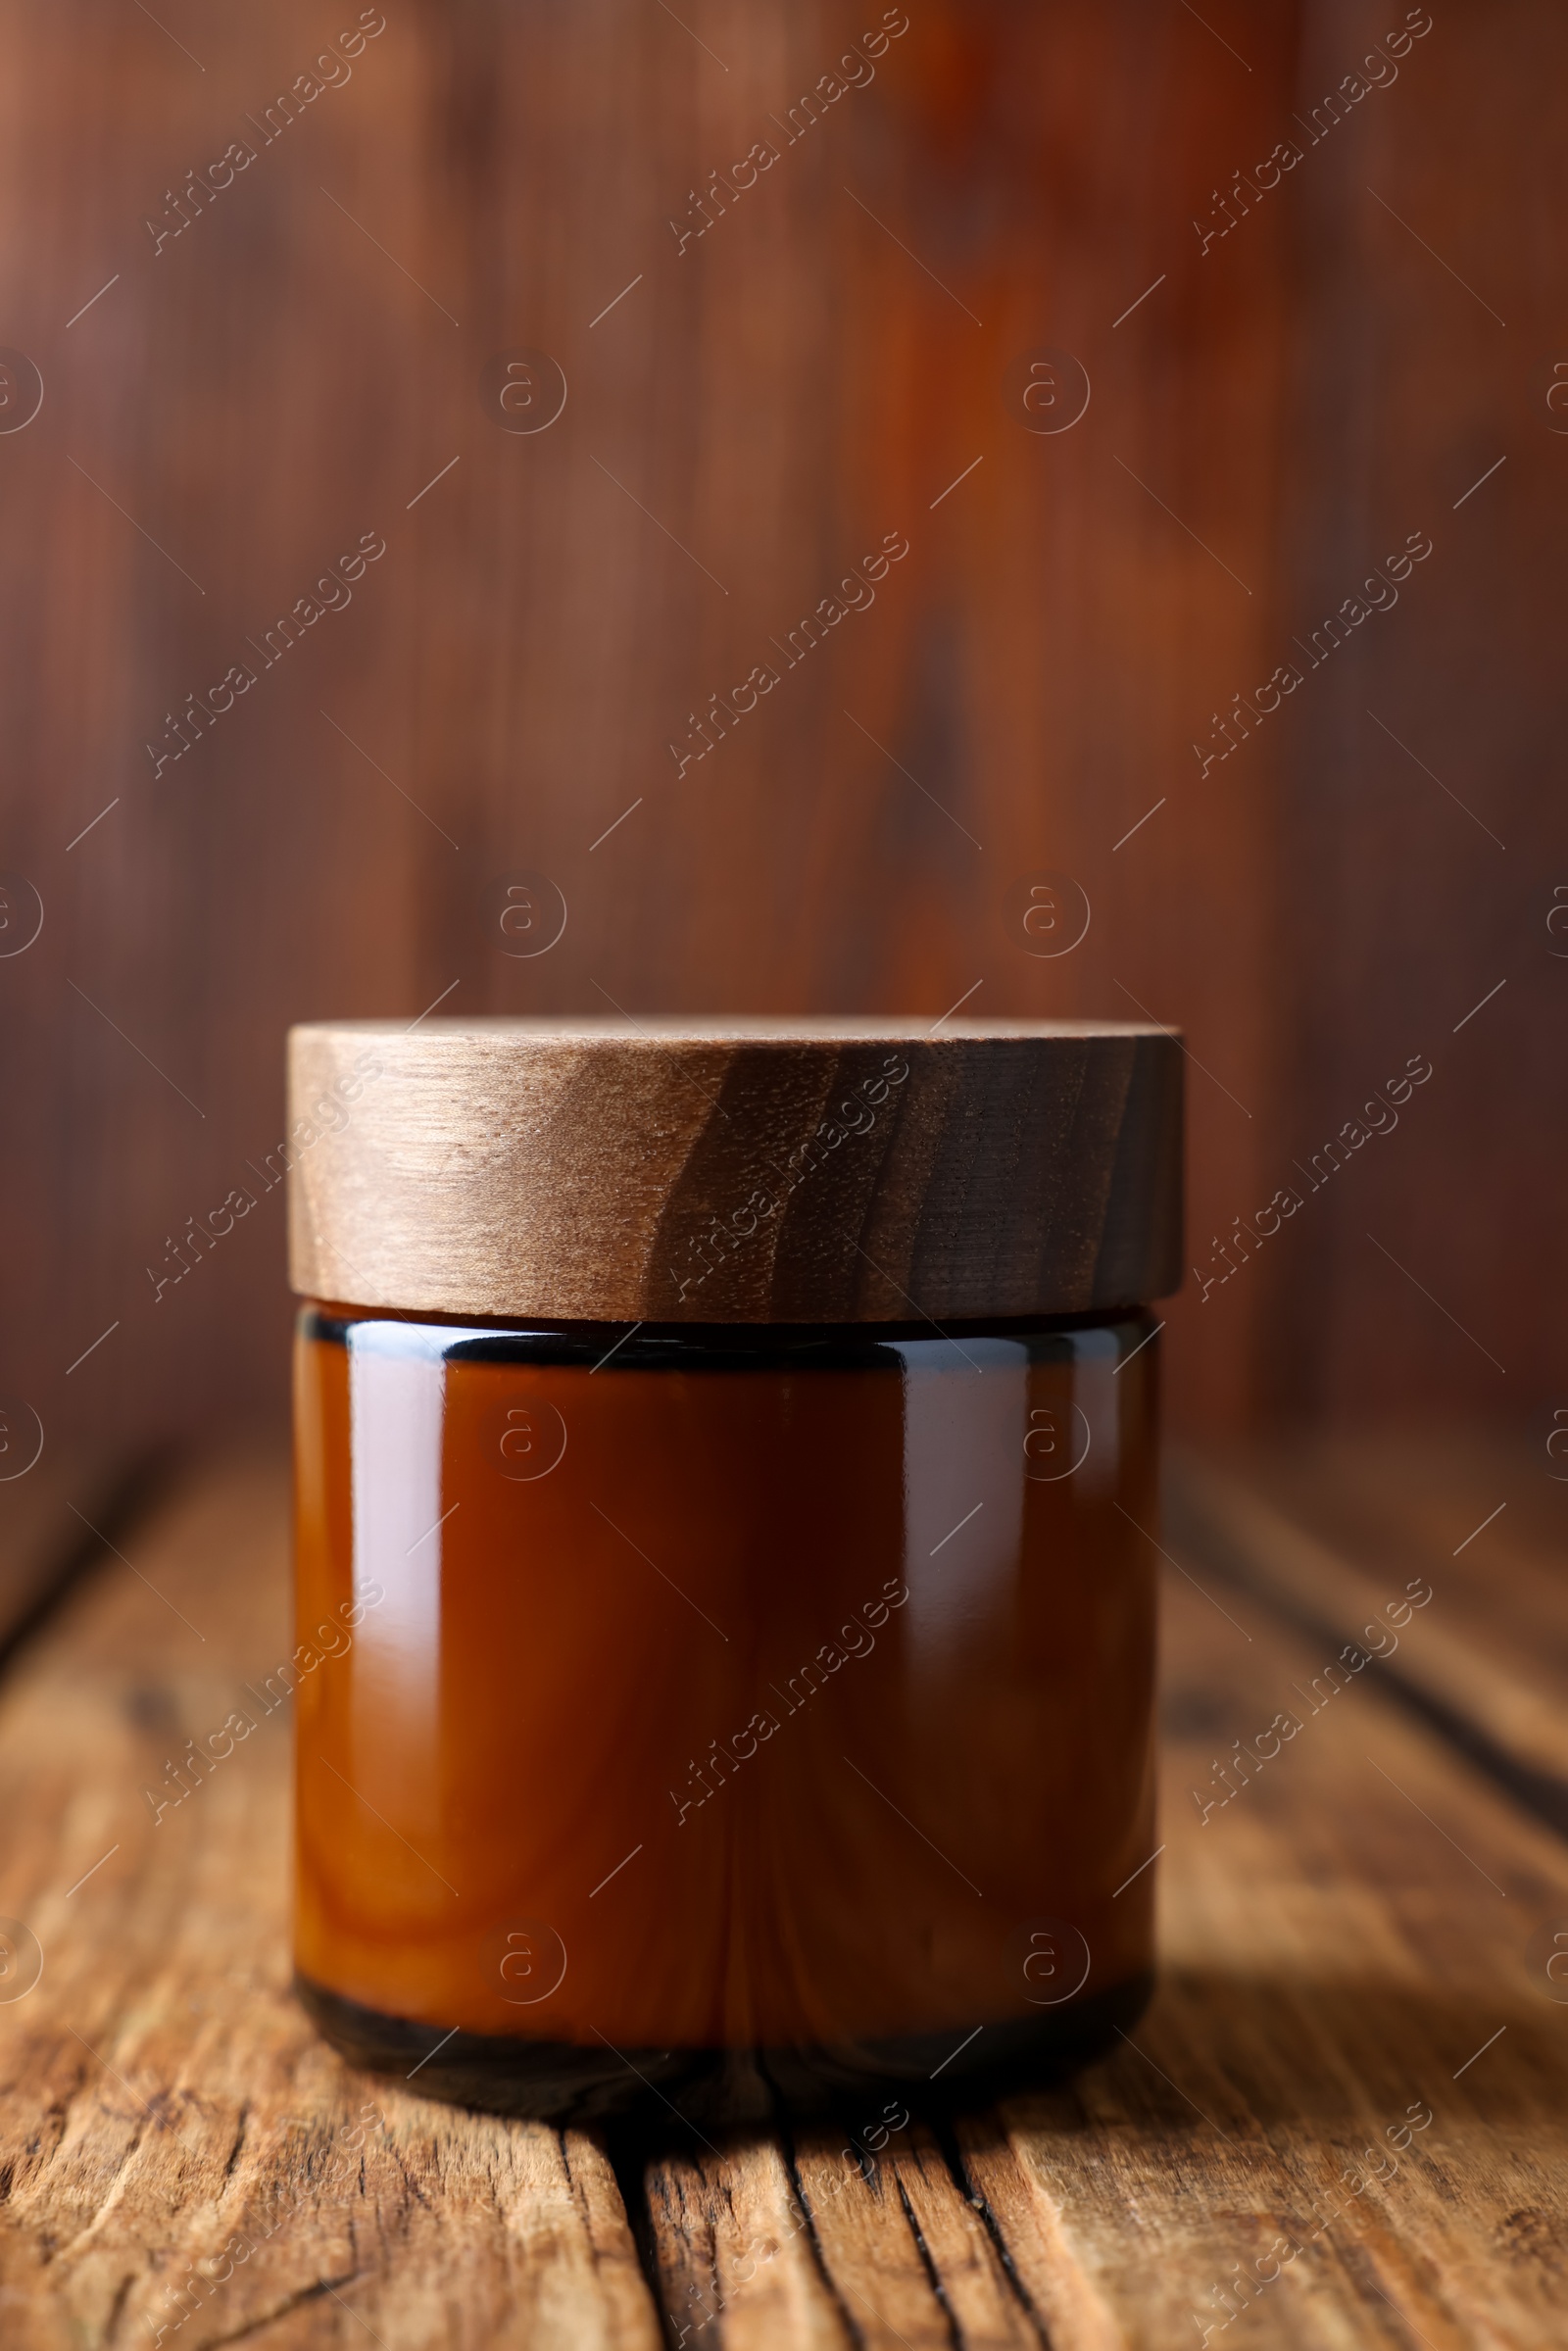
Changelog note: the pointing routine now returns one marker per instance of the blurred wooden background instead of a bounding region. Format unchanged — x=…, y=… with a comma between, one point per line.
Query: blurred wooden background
x=840, y=357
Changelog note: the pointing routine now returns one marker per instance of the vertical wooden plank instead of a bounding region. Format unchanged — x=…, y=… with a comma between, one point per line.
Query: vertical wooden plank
x=831, y=2243
x=1029, y=2219
x=733, y=2249
x=1420, y=838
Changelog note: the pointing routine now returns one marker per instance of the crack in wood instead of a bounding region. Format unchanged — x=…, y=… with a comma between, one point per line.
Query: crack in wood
x=114, y=2188
x=239, y=2141
x=956, y=2333
x=629, y=2158
x=290, y=2302
x=946, y=2141
x=786, y=2141
x=116, y=2308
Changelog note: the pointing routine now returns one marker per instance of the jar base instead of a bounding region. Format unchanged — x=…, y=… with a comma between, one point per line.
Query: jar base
x=561, y=2081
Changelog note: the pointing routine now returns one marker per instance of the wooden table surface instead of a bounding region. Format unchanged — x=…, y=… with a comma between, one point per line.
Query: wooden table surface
x=1342, y=2122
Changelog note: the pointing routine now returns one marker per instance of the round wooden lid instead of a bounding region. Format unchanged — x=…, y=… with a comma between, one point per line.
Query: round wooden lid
x=802, y=1171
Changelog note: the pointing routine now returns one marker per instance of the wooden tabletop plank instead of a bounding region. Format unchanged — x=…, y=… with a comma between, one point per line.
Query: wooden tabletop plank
x=1329, y=1531
x=906, y=2249
x=735, y=2260
x=1488, y=1507
x=51, y=1515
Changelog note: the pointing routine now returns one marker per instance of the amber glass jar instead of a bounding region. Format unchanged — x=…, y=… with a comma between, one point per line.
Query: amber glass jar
x=723, y=1702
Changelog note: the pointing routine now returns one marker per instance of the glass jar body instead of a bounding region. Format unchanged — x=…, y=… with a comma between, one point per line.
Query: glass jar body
x=722, y=1713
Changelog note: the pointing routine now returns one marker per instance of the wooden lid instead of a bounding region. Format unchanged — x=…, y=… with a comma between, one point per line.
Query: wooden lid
x=735, y=1170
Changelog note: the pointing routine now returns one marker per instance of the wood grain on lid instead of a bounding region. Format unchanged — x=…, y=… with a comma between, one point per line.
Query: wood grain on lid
x=735, y=1170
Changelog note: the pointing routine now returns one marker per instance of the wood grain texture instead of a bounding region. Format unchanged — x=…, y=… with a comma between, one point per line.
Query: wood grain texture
x=868, y=1171
x=1352, y=1942
x=53, y=1517
x=1326, y=1528
x=734, y=2218
x=1421, y=863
